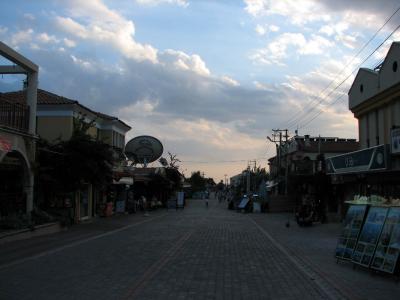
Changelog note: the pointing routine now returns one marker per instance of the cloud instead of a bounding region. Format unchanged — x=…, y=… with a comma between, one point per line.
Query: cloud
x=3, y=30
x=183, y=61
x=277, y=50
x=29, y=17
x=175, y=95
x=315, y=46
x=360, y=13
x=339, y=32
x=256, y=7
x=21, y=37
x=100, y=24
x=273, y=28
x=264, y=29
x=69, y=43
x=230, y=81
x=260, y=29
x=183, y=3
x=300, y=12
x=46, y=38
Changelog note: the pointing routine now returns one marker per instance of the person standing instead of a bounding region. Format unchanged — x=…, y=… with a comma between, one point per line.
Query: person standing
x=144, y=203
x=205, y=199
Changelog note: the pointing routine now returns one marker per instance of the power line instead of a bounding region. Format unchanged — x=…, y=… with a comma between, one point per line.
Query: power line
x=296, y=116
x=343, y=81
x=344, y=68
x=222, y=161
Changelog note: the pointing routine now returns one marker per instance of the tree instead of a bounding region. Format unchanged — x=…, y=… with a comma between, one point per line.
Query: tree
x=211, y=182
x=66, y=166
x=197, y=181
x=173, y=161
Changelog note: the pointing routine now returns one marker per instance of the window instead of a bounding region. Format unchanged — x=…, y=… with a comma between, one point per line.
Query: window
x=394, y=66
x=361, y=88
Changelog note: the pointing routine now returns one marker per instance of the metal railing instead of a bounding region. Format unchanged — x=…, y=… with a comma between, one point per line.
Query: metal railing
x=14, y=115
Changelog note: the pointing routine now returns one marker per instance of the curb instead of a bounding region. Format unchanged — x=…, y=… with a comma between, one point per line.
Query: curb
x=28, y=233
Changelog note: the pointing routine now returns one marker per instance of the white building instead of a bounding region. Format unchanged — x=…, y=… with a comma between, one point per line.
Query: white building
x=374, y=98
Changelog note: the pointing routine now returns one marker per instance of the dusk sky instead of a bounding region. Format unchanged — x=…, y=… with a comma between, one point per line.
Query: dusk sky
x=210, y=79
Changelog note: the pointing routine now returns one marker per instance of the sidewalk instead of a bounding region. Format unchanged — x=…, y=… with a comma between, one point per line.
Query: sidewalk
x=31, y=246
x=314, y=247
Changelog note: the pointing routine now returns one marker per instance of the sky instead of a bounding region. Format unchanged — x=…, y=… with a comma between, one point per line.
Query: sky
x=209, y=79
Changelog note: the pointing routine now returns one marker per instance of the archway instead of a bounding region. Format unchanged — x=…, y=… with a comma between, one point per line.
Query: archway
x=14, y=177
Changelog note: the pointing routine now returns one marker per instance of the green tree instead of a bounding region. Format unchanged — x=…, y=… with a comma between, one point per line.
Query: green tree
x=197, y=181
x=66, y=166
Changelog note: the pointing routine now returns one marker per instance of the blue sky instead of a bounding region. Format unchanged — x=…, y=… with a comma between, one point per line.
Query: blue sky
x=210, y=79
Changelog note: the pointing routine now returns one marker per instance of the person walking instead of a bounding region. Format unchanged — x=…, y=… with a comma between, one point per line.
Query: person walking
x=144, y=203
x=205, y=199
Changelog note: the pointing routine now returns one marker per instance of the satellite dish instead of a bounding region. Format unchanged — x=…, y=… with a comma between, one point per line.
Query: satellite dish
x=144, y=149
x=163, y=162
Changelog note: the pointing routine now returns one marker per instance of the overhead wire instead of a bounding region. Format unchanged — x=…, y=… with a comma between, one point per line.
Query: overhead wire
x=296, y=118
x=342, y=95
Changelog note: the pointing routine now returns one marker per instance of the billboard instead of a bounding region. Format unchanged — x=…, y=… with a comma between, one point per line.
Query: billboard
x=370, y=159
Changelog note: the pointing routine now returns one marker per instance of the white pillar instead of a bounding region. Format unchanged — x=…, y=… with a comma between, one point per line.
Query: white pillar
x=31, y=95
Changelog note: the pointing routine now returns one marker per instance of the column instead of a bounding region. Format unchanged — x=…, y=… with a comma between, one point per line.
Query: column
x=31, y=95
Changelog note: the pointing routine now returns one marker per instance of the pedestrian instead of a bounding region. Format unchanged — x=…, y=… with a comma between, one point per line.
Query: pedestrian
x=144, y=203
x=206, y=200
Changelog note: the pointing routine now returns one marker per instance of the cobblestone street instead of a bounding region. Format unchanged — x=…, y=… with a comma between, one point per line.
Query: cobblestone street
x=196, y=253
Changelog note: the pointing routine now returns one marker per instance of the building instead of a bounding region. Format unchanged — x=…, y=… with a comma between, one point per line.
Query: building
x=56, y=118
x=237, y=180
x=298, y=171
x=374, y=99
x=17, y=143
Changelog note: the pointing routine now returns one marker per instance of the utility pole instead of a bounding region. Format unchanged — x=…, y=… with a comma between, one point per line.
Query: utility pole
x=248, y=180
x=278, y=133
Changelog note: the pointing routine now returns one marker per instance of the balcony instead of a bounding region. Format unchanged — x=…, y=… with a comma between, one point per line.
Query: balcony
x=14, y=115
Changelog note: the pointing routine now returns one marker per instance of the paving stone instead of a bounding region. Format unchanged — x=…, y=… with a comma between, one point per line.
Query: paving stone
x=196, y=253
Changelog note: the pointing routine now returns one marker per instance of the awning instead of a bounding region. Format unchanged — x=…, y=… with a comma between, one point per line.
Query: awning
x=124, y=180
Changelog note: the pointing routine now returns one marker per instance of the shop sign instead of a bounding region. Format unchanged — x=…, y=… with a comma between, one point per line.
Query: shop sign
x=369, y=159
x=5, y=144
x=5, y=147
x=395, y=141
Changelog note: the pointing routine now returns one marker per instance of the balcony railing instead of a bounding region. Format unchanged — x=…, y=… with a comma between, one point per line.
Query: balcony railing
x=14, y=115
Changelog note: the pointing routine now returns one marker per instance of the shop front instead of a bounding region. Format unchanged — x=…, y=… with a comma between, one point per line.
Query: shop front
x=365, y=172
x=16, y=181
